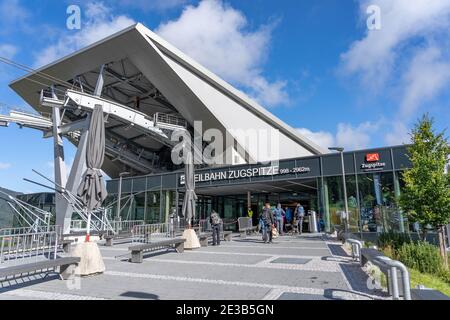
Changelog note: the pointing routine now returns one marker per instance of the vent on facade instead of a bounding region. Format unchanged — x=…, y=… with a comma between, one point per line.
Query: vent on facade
x=167, y=121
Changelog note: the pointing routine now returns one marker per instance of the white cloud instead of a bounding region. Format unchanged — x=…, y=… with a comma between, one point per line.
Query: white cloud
x=427, y=75
x=13, y=16
x=399, y=134
x=322, y=138
x=8, y=51
x=98, y=22
x=4, y=165
x=412, y=39
x=217, y=36
x=159, y=5
x=358, y=137
x=348, y=136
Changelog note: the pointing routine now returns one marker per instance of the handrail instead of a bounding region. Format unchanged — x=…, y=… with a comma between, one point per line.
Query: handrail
x=356, y=249
x=393, y=265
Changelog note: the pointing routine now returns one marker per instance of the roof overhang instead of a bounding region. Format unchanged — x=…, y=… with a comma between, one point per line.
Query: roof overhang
x=193, y=91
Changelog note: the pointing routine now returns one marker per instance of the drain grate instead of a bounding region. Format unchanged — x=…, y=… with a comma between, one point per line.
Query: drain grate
x=291, y=260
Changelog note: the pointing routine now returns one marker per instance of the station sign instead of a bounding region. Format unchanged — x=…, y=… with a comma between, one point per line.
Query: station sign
x=243, y=173
x=373, y=162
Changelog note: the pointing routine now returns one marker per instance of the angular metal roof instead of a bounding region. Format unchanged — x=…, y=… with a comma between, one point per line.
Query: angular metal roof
x=139, y=65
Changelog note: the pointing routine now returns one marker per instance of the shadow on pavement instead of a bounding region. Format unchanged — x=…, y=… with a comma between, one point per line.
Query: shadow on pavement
x=336, y=250
x=140, y=295
x=359, y=280
x=39, y=278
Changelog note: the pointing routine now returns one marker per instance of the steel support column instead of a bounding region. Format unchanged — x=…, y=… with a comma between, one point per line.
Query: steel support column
x=59, y=166
x=78, y=167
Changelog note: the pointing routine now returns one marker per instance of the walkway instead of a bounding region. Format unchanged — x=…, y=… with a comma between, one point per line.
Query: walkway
x=306, y=267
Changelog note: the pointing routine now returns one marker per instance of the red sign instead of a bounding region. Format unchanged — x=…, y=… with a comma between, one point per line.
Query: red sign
x=372, y=157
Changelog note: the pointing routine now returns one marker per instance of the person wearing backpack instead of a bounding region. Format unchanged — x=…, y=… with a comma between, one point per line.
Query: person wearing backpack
x=279, y=213
x=268, y=221
x=215, y=221
x=300, y=214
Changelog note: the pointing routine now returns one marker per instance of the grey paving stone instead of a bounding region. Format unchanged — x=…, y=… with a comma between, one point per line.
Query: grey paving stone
x=291, y=260
x=291, y=268
x=293, y=278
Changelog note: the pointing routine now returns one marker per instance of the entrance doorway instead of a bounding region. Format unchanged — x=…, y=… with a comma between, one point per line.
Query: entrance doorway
x=232, y=201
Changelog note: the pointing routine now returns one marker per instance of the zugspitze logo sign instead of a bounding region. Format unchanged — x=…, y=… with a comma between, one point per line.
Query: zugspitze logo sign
x=373, y=162
x=372, y=157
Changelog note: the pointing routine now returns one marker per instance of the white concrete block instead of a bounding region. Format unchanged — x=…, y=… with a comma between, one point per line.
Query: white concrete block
x=192, y=241
x=91, y=259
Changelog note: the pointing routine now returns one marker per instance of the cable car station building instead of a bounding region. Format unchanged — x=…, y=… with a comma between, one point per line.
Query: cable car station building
x=149, y=90
x=315, y=181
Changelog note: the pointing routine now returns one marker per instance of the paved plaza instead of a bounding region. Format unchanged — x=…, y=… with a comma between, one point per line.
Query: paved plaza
x=306, y=267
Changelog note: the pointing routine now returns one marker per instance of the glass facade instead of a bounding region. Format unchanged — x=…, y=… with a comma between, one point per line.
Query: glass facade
x=44, y=201
x=373, y=183
x=371, y=201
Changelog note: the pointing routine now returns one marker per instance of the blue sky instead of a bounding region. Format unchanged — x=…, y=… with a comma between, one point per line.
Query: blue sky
x=313, y=63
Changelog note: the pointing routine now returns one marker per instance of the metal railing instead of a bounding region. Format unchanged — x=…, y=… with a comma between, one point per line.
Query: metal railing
x=126, y=225
x=245, y=223
x=29, y=230
x=151, y=232
x=78, y=225
x=116, y=226
x=356, y=249
x=392, y=265
x=179, y=226
x=386, y=263
x=26, y=214
x=81, y=225
x=21, y=248
x=205, y=226
x=163, y=119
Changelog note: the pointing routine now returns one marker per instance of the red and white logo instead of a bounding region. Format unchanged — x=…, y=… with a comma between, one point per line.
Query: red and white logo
x=372, y=157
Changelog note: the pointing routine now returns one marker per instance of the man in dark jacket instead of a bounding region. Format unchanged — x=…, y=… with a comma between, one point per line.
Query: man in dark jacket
x=267, y=218
x=215, y=221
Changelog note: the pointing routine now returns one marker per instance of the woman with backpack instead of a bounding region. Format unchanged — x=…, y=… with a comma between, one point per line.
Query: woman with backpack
x=215, y=221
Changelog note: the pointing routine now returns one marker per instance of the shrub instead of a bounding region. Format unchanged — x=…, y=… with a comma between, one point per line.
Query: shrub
x=393, y=240
x=368, y=244
x=445, y=275
x=421, y=256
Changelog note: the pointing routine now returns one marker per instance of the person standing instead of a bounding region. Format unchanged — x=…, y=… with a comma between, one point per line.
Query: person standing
x=288, y=215
x=300, y=215
x=288, y=219
x=279, y=213
x=215, y=221
x=268, y=221
x=250, y=213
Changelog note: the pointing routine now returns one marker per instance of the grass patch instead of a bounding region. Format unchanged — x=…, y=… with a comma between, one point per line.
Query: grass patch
x=429, y=281
x=436, y=282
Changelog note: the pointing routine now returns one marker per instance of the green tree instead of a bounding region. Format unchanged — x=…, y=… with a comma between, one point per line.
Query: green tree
x=426, y=195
